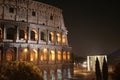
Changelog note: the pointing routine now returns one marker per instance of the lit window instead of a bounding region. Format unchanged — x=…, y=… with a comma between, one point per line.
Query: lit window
x=33, y=55
x=0, y=33
x=52, y=55
x=34, y=35
x=68, y=55
x=59, y=55
x=11, y=10
x=63, y=39
x=58, y=38
x=51, y=37
x=64, y=55
x=43, y=56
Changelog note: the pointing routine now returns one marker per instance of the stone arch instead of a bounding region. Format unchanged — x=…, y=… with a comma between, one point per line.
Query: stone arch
x=33, y=55
x=34, y=35
x=10, y=53
x=22, y=34
x=23, y=54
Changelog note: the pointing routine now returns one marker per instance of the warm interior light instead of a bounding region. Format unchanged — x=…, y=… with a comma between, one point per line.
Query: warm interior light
x=52, y=55
x=63, y=39
x=25, y=50
x=68, y=55
x=58, y=38
x=43, y=55
x=64, y=55
x=59, y=55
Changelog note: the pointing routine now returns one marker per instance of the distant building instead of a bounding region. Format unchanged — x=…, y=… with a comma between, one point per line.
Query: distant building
x=91, y=60
x=35, y=32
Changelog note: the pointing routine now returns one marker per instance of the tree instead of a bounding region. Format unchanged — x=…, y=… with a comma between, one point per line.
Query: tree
x=97, y=70
x=20, y=71
x=105, y=69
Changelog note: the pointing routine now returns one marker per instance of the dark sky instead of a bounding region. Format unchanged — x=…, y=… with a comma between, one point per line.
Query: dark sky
x=93, y=25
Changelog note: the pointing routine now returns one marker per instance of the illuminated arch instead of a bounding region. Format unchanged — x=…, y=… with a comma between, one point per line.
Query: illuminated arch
x=10, y=54
x=23, y=54
x=51, y=37
x=33, y=55
x=58, y=38
x=64, y=55
x=68, y=55
x=59, y=55
x=43, y=56
x=34, y=35
x=52, y=55
x=64, y=39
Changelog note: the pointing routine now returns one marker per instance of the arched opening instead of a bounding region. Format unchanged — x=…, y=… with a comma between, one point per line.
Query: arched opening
x=59, y=74
x=10, y=54
x=59, y=55
x=64, y=56
x=22, y=35
x=23, y=54
x=68, y=55
x=43, y=56
x=33, y=55
x=52, y=55
x=43, y=36
x=63, y=39
x=45, y=75
x=58, y=38
x=11, y=33
x=51, y=37
x=34, y=35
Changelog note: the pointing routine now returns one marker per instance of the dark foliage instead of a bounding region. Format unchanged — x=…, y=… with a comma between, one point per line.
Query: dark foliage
x=105, y=70
x=97, y=70
x=20, y=71
x=116, y=73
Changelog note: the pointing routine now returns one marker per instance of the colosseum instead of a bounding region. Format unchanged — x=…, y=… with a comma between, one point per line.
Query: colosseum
x=35, y=32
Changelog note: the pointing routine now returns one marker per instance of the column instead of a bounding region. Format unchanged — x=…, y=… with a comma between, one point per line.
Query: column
x=4, y=32
x=17, y=34
x=88, y=65
x=28, y=34
x=48, y=74
x=38, y=59
x=39, y=35
x=17, y=53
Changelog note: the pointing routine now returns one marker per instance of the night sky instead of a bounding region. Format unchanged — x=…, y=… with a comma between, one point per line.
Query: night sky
x=93, y=25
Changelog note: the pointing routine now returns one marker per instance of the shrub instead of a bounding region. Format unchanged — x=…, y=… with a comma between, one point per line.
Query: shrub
x=20, y=71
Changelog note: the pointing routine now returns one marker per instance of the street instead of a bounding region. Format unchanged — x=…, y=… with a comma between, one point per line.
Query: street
x=82, y=75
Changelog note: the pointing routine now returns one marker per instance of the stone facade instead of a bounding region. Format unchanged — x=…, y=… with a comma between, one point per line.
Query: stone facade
x=35, y=32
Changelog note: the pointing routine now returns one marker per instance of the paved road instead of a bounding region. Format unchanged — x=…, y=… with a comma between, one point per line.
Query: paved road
x=82, y=75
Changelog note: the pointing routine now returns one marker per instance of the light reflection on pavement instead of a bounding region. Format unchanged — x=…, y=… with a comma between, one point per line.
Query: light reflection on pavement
x=82, y=75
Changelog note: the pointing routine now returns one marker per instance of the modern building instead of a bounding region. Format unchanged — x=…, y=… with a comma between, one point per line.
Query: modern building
x=91, y=61
x=35, y=32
